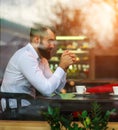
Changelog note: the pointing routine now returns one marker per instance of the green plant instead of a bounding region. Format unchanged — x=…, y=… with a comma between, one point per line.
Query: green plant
x=53, y=117
x=94, y=120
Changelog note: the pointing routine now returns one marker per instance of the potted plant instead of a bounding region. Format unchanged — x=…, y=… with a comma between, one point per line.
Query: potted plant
x=94, y=120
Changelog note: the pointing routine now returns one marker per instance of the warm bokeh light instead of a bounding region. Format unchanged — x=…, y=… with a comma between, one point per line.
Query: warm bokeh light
x=70, y=37
x=98, y=18
x=98, y=22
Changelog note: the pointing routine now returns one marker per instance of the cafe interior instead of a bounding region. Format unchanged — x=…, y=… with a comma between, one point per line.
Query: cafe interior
x=89, y=30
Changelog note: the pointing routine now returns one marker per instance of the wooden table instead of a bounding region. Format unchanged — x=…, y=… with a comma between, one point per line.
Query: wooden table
x=71, y=102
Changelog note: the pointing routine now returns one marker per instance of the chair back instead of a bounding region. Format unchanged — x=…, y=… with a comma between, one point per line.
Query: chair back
x=12, y=113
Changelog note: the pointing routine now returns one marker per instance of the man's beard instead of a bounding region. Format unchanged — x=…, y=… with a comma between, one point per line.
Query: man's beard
x=47, y=53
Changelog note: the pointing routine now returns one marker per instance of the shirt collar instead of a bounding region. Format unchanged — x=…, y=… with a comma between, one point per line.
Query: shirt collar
x=33, y=51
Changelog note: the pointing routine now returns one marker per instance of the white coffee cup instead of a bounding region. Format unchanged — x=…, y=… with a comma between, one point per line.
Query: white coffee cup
x=80, y=89
x=115, y=90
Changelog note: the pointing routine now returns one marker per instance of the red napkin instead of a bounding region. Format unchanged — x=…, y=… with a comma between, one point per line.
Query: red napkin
x=108, y=88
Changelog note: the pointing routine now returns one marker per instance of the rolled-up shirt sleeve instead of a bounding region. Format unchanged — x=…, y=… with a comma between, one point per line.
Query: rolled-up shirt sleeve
x=29, y=66
x=62, y=84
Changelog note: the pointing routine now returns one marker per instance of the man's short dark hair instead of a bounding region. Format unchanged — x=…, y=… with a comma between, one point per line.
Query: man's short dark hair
x=40, y=30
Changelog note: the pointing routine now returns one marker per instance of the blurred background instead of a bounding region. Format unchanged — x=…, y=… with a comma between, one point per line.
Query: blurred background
x=86, y=27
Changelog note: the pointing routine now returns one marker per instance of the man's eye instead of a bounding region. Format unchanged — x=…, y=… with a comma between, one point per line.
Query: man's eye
x=52, y=41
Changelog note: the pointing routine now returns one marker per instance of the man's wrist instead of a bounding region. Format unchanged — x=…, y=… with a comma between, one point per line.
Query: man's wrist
x=64, y=68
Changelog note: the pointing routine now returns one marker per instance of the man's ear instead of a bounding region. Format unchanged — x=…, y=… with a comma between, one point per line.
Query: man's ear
x=36, y=39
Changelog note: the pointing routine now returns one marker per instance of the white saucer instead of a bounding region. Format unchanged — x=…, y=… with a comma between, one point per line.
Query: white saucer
x=81, y=93
x=113, y=94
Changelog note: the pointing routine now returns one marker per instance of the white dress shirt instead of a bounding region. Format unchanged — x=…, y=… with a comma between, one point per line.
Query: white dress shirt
x=25, y=69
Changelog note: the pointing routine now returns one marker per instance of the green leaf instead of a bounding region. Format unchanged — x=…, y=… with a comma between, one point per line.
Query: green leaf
x=84, y=114
x=50, y=110
x=88, y=120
